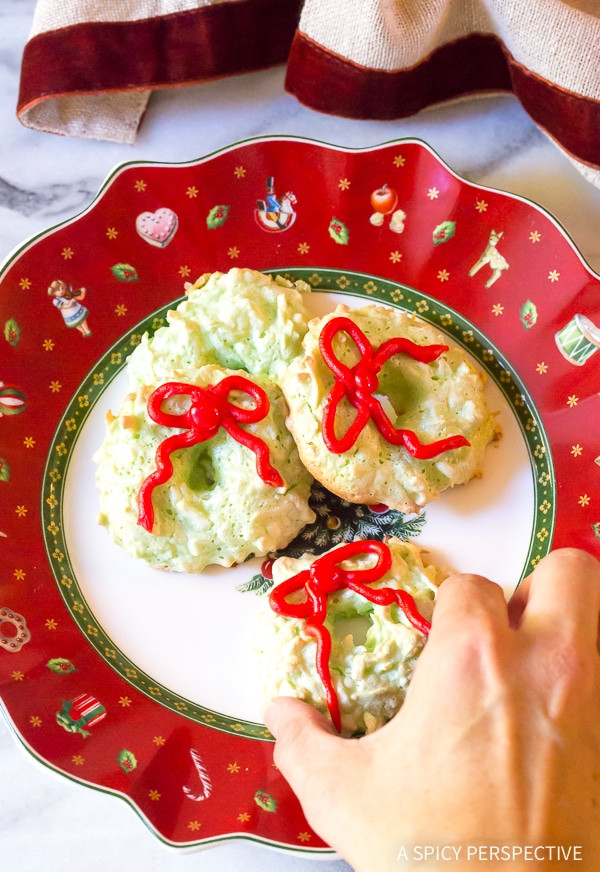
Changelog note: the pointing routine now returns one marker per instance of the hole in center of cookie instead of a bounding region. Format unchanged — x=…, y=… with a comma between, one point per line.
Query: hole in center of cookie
x=397, y=393
x=201, y=473
x=355, y=625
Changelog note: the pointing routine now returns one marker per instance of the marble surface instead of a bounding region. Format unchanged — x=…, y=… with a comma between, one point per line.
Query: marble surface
x=47, y=821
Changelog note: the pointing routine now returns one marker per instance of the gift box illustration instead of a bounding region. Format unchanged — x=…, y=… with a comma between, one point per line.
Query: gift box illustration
x=80, y=713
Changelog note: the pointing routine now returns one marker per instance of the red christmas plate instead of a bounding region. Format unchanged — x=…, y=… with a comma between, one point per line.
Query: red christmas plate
x=142, y=683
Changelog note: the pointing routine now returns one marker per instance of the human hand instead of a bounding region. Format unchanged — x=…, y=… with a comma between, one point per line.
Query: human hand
x=497, y=743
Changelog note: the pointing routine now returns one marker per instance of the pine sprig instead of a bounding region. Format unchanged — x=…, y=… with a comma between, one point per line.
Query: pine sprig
x=258, y=584
x=338, y=521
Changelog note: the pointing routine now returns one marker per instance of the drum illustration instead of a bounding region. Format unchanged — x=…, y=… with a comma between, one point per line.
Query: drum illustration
x=578, y=340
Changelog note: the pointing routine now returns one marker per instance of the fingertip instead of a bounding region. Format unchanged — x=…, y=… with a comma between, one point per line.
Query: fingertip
x=576, y=559
x=283, y=710
x=464, y=596
x=304, y=743
x=564, y=593
x=271, y=715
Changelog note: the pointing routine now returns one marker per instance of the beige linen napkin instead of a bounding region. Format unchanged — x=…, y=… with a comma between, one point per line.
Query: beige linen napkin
x=90, y=66
x=390, y=58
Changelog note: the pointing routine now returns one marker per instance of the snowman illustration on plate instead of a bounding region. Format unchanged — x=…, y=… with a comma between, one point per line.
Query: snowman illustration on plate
x=578, y=340
x=275, y=214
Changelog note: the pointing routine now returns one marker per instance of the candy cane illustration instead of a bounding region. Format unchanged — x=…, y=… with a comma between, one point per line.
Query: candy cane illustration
x=202, y=776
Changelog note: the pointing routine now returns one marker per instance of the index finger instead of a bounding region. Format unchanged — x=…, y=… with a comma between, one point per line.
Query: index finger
x=465, y=598
x=563, y=593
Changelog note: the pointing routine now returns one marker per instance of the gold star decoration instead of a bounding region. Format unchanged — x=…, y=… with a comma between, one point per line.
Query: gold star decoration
x=25, y=284
x=433, y=193
x=553, y=275
x=344, y=184
x=29, y=442
x=21, y=511
x=303, y=248
x=304, y=836
x=112, y=232
x=124, y=701
x=497, y=309
x=395, y=256
x=17, y=676
x=192, y=192
x=542, y=368
x=55, y=386
x=51, y=624
x=535, y=236
x=159, y=741
x=481, y=206
x=77, y=759
x=233, y=252
x=67, y=253
x=584, y=500
x=239, y=172
x=140, y=186
x=35, y=721
x=19, y=575
x=48, y=344
x=572, y=400
x=194, y=825
x=443, y=275
x=120, y=310
x=184, y=271
x=243, y=817
x=154, y=795
x=399, y=160
x=577, y=450
x=233, y=767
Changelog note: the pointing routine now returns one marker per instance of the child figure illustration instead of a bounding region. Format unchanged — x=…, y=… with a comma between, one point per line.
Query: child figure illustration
x=69, y=303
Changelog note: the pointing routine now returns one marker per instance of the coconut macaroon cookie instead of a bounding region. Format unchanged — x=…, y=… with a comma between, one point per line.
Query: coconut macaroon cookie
x=374, y=647
x=181, y=502
x=344, y=410
x=241, y=319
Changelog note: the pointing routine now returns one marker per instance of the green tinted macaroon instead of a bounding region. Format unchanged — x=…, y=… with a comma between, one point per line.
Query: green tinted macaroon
x=435, y=400
x=215, y=509
x=374, y=648
x=241, y=319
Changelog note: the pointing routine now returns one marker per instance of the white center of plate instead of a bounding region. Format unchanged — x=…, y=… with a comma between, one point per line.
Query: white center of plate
x=193, y=634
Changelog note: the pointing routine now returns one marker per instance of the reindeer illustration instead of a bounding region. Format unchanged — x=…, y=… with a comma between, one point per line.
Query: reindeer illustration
x=492, y=257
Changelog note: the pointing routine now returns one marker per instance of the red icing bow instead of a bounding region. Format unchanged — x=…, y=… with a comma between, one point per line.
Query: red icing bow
x=209, y=410
x=326, y=576
x=359, y=384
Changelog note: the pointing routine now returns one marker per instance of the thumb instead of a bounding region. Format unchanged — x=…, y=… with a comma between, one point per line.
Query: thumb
x=306, y=748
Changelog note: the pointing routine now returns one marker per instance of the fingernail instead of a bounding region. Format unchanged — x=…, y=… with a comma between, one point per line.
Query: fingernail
x=271, y=717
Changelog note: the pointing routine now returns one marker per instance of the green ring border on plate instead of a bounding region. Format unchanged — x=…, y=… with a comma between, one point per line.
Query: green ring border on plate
x=325, y=280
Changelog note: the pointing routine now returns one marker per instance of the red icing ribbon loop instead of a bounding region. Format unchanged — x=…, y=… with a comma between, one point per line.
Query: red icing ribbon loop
x=324, y=577
x=209, y=410
x=359, y=383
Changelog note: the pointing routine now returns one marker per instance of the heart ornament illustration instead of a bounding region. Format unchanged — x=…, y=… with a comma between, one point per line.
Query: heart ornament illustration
x=157, y=228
